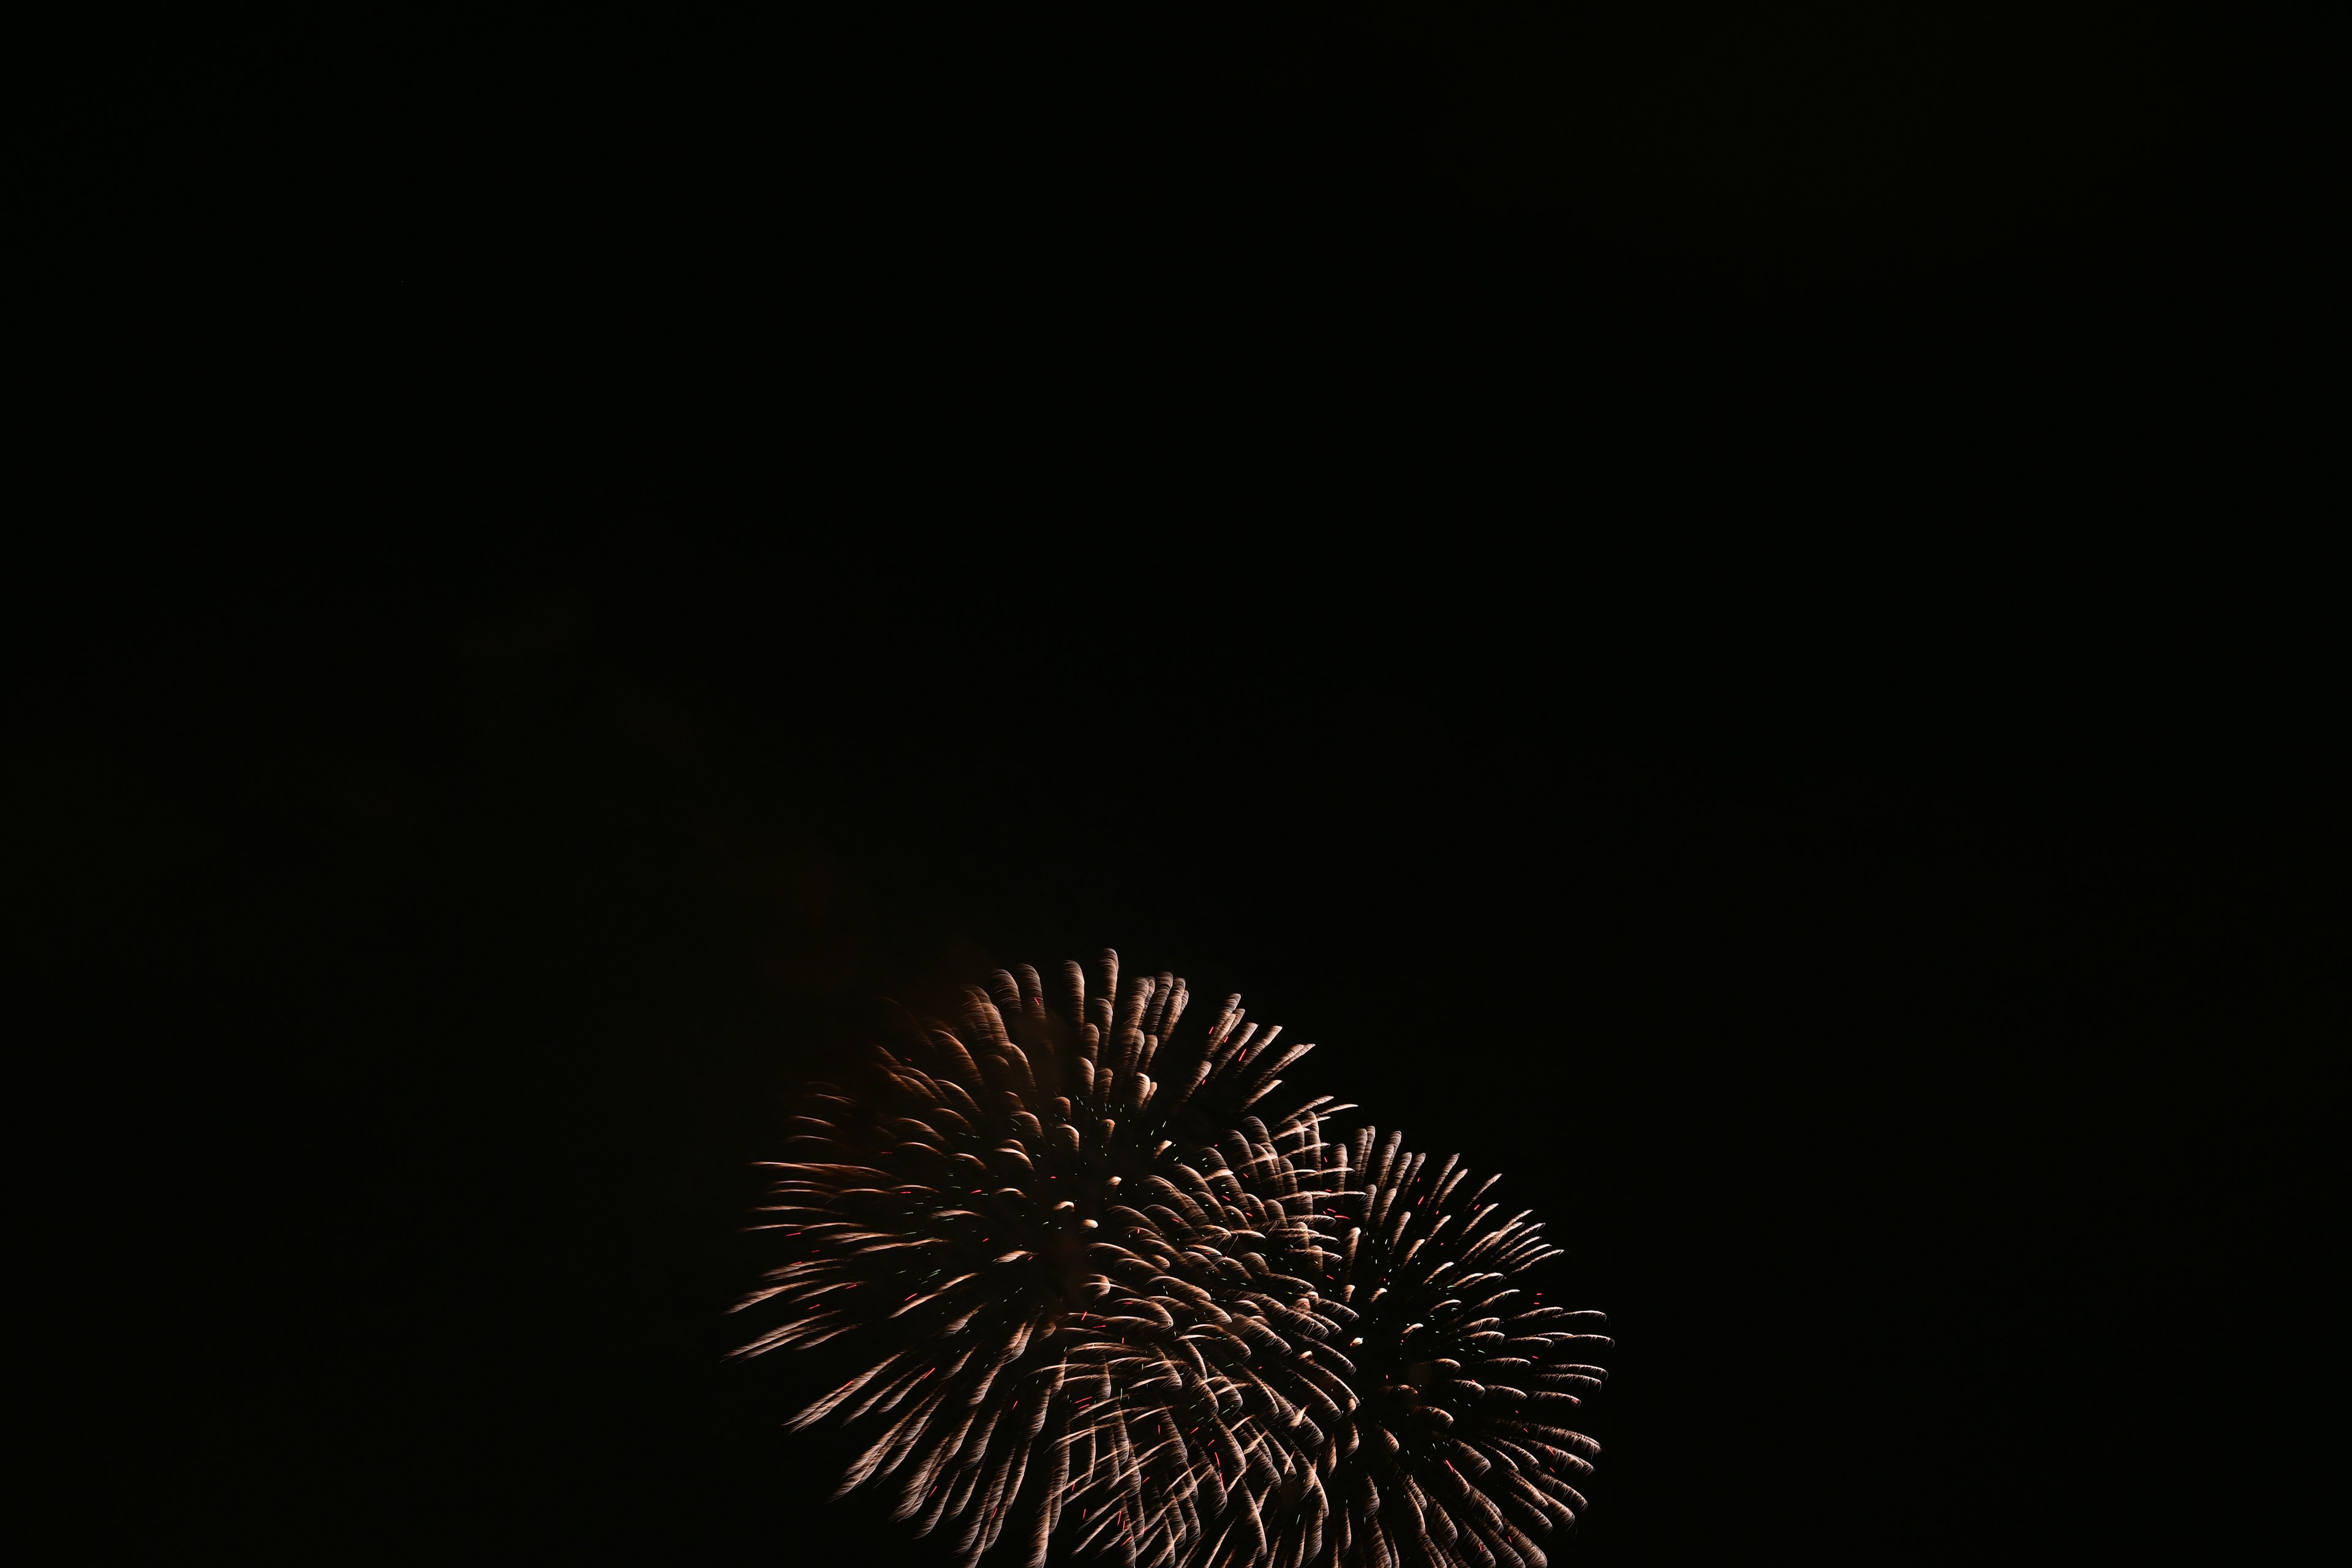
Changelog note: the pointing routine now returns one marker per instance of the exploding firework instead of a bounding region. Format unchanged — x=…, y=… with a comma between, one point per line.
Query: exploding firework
x=1120, y=1314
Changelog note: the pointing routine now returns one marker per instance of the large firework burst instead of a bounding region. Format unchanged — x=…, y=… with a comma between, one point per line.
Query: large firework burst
x=1121, y=1313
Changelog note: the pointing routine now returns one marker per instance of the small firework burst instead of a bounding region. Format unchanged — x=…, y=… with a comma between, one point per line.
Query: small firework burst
x=1126, y=1316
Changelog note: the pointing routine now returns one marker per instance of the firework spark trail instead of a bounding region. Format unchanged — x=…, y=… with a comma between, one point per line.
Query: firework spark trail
x=1134, y=1317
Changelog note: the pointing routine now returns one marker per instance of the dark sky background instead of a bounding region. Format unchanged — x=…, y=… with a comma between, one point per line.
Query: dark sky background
x=1681, y=586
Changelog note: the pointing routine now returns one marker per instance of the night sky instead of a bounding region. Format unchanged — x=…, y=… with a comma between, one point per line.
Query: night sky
x=1677, y=586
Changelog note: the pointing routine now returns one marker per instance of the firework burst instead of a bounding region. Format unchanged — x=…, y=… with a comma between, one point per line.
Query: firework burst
x=1124, y=1314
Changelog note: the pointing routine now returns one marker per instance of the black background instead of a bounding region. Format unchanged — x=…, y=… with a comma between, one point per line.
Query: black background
x=1680, y=589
